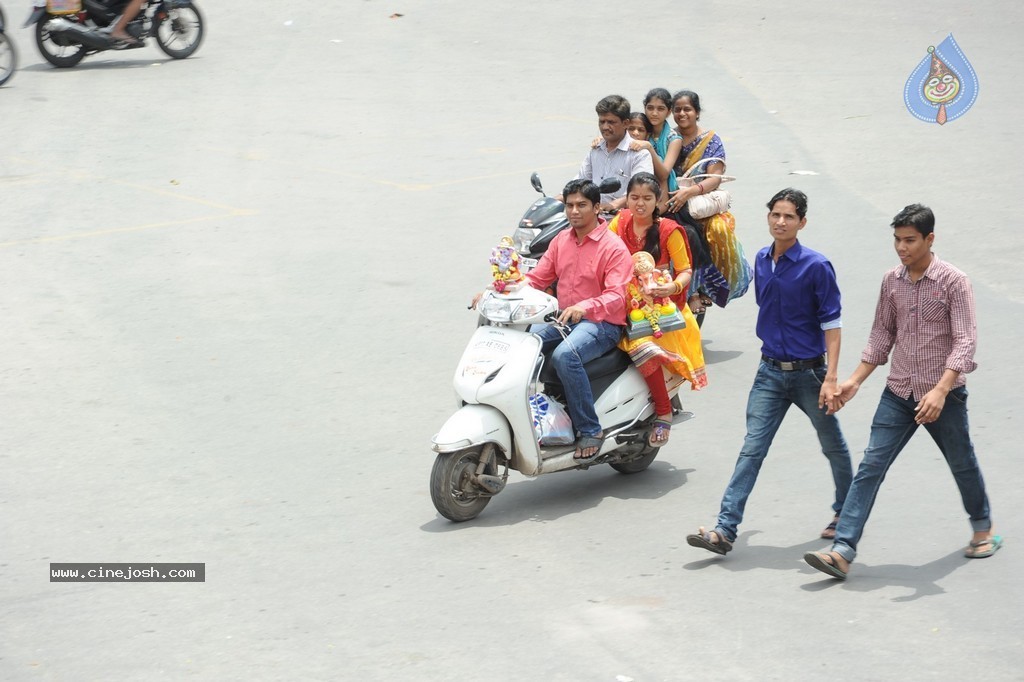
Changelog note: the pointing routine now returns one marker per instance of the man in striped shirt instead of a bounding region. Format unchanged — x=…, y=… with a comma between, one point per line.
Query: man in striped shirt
x=925, y=319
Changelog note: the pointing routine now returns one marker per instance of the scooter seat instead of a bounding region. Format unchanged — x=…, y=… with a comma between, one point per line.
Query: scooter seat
x=611, y=363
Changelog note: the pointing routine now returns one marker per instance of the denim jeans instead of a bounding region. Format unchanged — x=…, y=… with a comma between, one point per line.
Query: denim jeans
x=891, y=430
x=586, y=341
x=774, y=390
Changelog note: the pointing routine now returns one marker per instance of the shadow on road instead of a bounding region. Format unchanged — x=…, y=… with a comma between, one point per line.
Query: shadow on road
x=551, y=497
x=101, y=63
x=923, y=580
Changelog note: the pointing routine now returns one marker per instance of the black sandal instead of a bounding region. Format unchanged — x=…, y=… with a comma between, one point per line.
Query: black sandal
x=702, y=539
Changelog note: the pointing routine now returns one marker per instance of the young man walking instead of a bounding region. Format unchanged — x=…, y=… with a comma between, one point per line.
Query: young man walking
x=925, y=318
x=798, y=322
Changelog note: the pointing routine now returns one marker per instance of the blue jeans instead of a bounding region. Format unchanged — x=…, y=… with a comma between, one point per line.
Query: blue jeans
x=891, y=430
x=586, y=341
x=770, y=397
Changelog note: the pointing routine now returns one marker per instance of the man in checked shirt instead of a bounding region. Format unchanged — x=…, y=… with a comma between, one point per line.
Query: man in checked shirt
x=925, y=318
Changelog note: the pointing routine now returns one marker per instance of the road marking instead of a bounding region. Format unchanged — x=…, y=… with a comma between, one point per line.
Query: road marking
x=224, y=210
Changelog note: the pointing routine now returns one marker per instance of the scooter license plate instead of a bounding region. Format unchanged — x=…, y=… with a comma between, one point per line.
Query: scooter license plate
x=63, y=6
x=527, y=264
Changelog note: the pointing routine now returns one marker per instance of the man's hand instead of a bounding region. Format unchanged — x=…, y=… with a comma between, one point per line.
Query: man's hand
x=572, y=315
x=930, y=406
x=843, y=394
x=827, y=395
x=476, y=300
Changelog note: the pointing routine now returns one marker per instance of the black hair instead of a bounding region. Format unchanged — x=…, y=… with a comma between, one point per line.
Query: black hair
x=589, y=190
x=917, y=216
x=658, y=93
x=642, y=117
x=793, y=196
x=690, y=95
x=652, y=243
x=615, y=105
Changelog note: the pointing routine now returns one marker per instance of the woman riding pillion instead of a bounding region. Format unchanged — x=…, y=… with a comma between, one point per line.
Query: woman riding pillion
x=641, y=228
x=726, y=274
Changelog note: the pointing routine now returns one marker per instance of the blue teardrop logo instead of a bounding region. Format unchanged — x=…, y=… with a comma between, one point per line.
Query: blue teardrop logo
x=943, y=87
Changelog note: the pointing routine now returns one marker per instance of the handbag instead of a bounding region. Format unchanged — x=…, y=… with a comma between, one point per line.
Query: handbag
x=710, y=203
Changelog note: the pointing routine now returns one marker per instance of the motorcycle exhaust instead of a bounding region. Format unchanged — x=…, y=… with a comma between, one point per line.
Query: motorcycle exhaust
x=76, y=33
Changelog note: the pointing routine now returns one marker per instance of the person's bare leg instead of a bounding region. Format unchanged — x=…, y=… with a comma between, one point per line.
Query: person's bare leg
x=131, y=10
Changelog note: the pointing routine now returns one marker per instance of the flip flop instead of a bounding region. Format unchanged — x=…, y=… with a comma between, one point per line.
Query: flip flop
x=702, y=539
x=995, y=541
x=588, y=442
x=823, y=562
x=661, y=429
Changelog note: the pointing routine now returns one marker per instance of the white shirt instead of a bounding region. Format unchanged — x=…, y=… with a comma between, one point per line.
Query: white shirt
x=621, y=162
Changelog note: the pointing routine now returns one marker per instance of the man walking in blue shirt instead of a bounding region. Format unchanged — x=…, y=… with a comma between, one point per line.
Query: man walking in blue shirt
x=799, y=325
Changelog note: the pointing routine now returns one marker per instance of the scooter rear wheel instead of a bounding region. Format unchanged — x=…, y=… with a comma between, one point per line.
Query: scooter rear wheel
x=637, y=465
x=61, y=53
x=8, y=58
x=451, y=487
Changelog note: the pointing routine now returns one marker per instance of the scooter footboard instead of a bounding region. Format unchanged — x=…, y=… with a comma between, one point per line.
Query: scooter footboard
x=474, y=425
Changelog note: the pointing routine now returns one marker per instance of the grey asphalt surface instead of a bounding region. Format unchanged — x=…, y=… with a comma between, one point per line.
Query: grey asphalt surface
x=233, y=289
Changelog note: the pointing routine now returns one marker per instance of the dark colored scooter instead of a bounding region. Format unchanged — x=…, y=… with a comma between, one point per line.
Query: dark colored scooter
x=68, y=30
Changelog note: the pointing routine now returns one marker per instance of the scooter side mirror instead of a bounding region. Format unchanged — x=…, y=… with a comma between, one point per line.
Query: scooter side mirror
x=609, y=185
x=535, y=181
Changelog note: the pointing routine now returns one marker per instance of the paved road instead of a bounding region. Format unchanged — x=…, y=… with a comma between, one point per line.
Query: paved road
x=233, y=298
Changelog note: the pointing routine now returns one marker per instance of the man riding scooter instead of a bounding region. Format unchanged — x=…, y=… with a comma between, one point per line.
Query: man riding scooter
x=592, y=268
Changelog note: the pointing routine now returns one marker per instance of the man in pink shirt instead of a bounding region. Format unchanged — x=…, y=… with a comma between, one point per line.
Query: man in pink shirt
x=925, y=319
x=592, y=267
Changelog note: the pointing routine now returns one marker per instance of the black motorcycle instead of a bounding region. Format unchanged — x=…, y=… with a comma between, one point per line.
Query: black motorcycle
x=68, y=30
x=8, y=57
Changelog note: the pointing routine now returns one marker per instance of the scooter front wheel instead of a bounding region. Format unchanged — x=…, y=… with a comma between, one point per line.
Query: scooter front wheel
x=451, y=486
x=180, y=32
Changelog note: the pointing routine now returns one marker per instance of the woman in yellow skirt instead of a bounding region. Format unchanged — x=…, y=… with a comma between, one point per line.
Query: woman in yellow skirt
x=642, y=229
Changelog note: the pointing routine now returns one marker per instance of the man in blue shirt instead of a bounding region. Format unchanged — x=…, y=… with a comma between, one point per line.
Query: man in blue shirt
x=799, y=325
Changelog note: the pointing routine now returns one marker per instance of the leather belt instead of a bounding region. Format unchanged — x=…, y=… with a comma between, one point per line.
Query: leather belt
x=794, y=365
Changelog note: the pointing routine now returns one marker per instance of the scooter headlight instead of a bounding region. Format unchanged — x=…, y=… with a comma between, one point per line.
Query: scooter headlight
x=497, y=309
x=526, y=311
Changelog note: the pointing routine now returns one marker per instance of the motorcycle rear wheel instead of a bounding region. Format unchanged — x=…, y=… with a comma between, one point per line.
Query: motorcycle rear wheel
x=63, y=56
x=180, y=33
x=8, y=58
x=451, y=488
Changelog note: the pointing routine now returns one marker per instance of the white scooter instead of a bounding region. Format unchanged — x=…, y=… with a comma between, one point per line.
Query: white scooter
x=493, y=430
